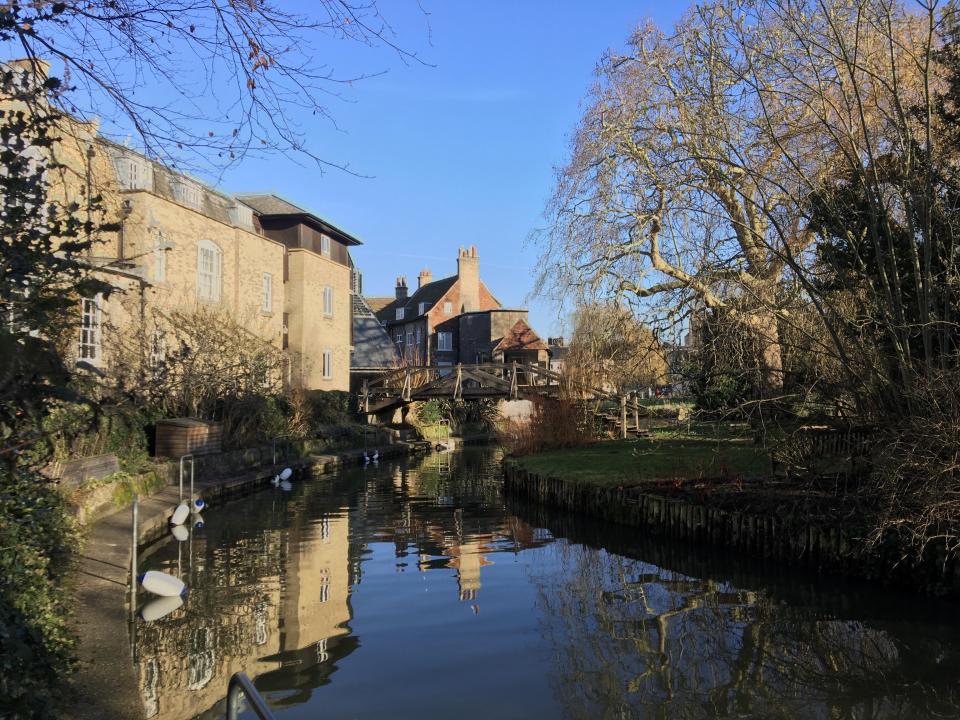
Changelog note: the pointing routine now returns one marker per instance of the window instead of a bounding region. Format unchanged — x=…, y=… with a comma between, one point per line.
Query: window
x=160, y=258
x=423, y=308
x=419, y=337
x=448, y=308
x=444, y=341
x=327, y=364
x=241, y=216
x=328, y=301
x=325, y=245
x=399, y=313
x=90, y=329
x=267, y=304
x=209, y=278
x=133, y=172
x=398, y=339
x=410, y=338
x=186, y=192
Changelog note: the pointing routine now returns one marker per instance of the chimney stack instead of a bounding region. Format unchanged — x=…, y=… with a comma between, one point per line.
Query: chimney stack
x=401, y=288
x=468, y=272
x=426, y=277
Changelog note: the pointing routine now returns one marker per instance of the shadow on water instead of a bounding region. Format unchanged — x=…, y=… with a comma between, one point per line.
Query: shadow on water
x=415, y=590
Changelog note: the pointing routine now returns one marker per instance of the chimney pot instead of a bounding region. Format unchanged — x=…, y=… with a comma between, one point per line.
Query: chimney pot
x=425, y=278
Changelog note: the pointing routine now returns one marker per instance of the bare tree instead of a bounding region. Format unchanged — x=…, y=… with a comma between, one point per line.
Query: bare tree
x=202, y=83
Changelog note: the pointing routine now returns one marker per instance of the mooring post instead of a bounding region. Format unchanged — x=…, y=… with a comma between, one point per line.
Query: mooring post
x=623, y=417
x=636, y=410
x=134, y=532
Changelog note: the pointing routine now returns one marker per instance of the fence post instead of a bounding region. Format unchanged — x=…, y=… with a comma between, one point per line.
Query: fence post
x=636, y=410
x=623, y=417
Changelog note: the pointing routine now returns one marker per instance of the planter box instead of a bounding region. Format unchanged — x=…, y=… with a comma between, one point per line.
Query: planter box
x=185, y=436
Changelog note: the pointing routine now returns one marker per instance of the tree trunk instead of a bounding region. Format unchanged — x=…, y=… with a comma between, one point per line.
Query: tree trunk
x=765, y=332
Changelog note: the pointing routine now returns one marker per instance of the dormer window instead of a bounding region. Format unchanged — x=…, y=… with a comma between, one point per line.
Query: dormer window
x=134, y=172
x=423, y=308
x=241, y=215
x=400, y=313
x=186, y=192
x=325, y=245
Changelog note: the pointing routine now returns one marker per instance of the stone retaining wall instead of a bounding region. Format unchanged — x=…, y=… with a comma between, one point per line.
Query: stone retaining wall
x=827, y=549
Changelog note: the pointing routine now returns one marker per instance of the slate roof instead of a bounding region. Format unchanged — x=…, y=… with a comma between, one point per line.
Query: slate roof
x=372, y=347
x=520, y=337
x=429, y=294
x=276, y=206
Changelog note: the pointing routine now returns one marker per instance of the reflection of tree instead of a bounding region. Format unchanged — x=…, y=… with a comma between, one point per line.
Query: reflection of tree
x=634, y=640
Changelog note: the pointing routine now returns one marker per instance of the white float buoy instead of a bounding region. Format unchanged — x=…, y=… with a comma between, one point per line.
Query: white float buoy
x=180, y=532
x=198, y=525
x=286, y=473
x=376, y=455
x=286, y=485
x=198, y=505
x=366, y=458
x=159, y=583
x=160, y=607
x=275, y=481
x=180, y=514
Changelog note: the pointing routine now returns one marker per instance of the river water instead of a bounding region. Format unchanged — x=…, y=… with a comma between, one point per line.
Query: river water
x=416, y=590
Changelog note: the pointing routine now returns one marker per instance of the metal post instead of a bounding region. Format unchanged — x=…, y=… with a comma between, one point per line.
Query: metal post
x=182, y=458
x=623, y=417
x=240, y=684
x=134, y=532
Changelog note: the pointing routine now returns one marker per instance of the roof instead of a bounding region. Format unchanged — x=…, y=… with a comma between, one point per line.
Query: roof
x=559, y=352
x=271, y=205
x=376, y=304
x=372, y=347
x=429, y=294
x=520, y=337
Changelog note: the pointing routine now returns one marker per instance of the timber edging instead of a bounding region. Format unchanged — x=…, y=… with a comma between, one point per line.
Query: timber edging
x=832, y=550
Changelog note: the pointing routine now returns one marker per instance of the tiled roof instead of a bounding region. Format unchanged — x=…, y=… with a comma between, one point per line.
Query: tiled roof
x=268, y=204
x=378, y=303
x=372, y=347
x=520, y=337
x=429, y=294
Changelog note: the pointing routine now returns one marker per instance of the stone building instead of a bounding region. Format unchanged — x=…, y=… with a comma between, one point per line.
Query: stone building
x=279, y=273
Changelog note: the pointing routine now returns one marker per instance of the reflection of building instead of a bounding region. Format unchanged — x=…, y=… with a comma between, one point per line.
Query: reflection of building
x=467, y=558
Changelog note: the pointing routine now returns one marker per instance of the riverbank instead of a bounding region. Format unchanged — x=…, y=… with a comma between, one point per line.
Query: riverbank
x=105, y=683
x=720, y=503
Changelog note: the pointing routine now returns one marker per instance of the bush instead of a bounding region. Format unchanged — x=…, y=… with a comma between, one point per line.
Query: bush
x=552, y=424
x=36, y=537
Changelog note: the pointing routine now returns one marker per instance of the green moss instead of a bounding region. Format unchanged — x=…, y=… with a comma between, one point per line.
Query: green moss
x=632, y=462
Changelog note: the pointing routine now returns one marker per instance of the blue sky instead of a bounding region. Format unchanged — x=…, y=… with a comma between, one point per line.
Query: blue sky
x=460, y=152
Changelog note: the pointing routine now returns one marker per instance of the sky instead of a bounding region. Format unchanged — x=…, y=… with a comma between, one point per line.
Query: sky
x=458, y=149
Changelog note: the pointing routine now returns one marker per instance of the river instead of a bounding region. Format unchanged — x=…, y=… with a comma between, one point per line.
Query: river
x=414, y=589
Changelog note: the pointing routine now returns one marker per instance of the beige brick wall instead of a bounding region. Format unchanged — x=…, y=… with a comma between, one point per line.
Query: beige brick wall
x=310, y=331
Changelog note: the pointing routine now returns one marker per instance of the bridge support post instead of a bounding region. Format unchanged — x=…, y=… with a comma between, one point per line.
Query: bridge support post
x=623, y=417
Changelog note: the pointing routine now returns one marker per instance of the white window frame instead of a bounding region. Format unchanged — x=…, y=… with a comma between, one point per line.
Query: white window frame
x=448, y=308
x=241, y=215
x=187, y=192
x=160, y=258
x=209, y=278
x=410, y=338
x=325, y=245
x=90, y=347
x=133, y=171
x=398, y=339
x=400, y=313
x=327, y=301
x=419, y=336
x=423, y=308
x=266, y=304
x=441, y=345
x=327, y=364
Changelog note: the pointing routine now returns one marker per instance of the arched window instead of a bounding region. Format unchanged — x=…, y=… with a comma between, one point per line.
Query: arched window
x=209, y=271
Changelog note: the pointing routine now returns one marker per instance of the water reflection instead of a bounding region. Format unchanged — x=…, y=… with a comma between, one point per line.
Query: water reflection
x=414, y=590
x=634, y=639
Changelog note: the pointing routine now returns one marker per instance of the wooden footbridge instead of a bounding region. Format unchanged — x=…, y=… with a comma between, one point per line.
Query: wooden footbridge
x=494, y=381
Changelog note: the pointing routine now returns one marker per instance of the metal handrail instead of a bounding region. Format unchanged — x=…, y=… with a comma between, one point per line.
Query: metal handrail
x=240, y=683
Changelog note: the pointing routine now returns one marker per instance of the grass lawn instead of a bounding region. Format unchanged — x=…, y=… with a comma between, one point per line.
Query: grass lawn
x=663, y=457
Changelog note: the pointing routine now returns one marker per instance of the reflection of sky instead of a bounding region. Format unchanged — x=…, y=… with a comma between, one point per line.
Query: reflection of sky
x=412, y=592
